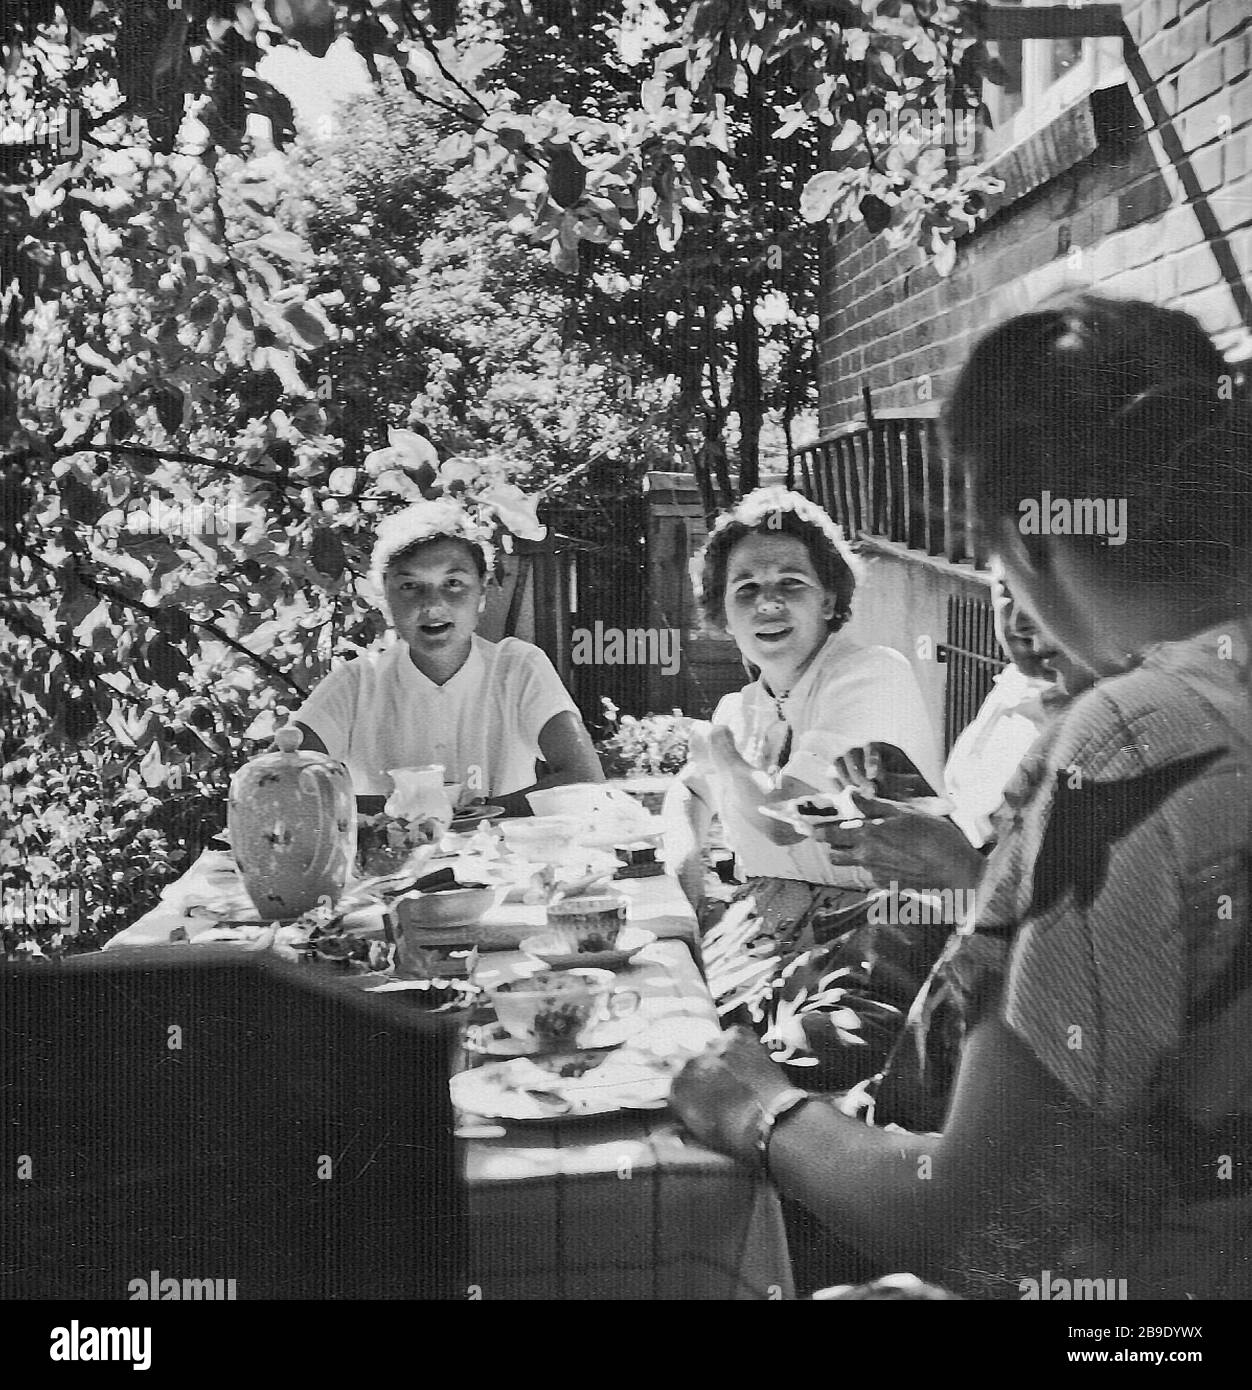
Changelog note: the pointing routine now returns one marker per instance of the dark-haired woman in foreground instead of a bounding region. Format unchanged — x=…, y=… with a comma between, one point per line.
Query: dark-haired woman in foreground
x=1101, y=1120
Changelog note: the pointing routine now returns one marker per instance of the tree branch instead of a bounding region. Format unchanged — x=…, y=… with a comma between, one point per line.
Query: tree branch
x=78, y=668
x=170, y=456
x=428, y=43
x=155, y=614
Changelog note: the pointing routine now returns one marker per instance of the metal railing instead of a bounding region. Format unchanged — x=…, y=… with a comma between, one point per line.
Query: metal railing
x=890, y=486
x=889, y=479
x=973, y=658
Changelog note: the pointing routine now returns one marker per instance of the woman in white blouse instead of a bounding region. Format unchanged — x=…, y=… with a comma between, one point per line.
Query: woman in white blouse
x=777, y=575
x=486, y=711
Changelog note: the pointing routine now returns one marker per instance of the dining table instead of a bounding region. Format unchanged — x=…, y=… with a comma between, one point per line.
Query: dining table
x=618, y=1205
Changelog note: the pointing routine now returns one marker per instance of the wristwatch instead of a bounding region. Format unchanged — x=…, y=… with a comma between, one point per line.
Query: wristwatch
x=783, y=1104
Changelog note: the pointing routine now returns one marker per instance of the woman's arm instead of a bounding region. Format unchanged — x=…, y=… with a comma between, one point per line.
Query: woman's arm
x=687, y=813
x=750, y=788
x=912, y=1200
x=570, y=755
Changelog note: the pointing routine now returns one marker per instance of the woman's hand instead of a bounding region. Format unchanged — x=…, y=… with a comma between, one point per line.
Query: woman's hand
x=859, y=768
x=749, y=787
x=719, y=1095
x=879, y=769
x=914, y=848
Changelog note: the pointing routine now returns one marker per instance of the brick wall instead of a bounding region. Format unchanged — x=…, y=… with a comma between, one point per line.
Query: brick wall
x=1122, y=220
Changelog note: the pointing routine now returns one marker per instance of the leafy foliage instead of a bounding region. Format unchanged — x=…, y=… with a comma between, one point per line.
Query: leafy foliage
x=194, y=372
x=453, y=321
x=651, y=745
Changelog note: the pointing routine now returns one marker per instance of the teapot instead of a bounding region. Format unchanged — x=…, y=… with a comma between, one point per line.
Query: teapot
x=292, y=821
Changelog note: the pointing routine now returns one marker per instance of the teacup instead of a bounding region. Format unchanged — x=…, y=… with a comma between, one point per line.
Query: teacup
x=554, y=1007
x=588, y=923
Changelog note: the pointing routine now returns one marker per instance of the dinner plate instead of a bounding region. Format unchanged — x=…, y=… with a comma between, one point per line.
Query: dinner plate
x=495, y=1041
x=476, y=817
x=523, y=1091
x=548, y=949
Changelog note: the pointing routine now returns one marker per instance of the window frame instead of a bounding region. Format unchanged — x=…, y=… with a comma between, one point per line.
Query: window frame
x=1043, y=100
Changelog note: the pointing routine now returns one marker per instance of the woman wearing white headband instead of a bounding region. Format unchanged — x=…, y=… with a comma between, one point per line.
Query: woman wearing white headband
x=778, y=577
x=486, y=711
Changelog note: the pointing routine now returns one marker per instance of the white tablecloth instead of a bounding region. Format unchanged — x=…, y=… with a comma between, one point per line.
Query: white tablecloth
x=657, y=903
x=622, y=1206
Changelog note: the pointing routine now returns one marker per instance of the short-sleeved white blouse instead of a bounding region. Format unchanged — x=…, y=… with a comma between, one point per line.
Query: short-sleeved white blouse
x=848, y=696
x=379, y=712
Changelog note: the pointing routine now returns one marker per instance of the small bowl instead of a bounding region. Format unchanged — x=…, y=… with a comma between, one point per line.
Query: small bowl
x=458, y=907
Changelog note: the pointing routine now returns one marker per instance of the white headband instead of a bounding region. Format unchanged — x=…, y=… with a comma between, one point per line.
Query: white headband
x=440, y=519
x=753, y=510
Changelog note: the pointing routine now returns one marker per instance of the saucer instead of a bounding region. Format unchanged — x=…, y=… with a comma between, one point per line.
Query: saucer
x=548, y=949
x=492, y=1039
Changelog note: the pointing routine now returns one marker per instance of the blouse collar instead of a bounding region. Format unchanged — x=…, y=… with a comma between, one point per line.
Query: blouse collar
x=470, y=674
x=813, y=674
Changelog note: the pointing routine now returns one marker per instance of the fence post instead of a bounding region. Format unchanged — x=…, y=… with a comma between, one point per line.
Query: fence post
x=866, y=480
x=906, y=488
x=971, y=524
x=922, y=433
x=883, y=453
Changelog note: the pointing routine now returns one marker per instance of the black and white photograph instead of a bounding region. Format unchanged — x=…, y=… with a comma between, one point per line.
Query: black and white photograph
x=625, y=669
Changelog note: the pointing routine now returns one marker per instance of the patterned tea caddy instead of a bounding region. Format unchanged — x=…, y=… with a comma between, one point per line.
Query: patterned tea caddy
x=292, y=822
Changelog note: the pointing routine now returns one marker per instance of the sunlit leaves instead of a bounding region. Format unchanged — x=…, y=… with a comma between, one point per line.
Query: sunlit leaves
x=197, y=318
x=342, y=481
x=819, y=195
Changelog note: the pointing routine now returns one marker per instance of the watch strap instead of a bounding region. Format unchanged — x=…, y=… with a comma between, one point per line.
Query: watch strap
x=784, y=1103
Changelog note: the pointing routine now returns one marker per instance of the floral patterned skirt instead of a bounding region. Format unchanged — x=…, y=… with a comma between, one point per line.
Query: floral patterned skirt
x=766, y=923
x=831, y=990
